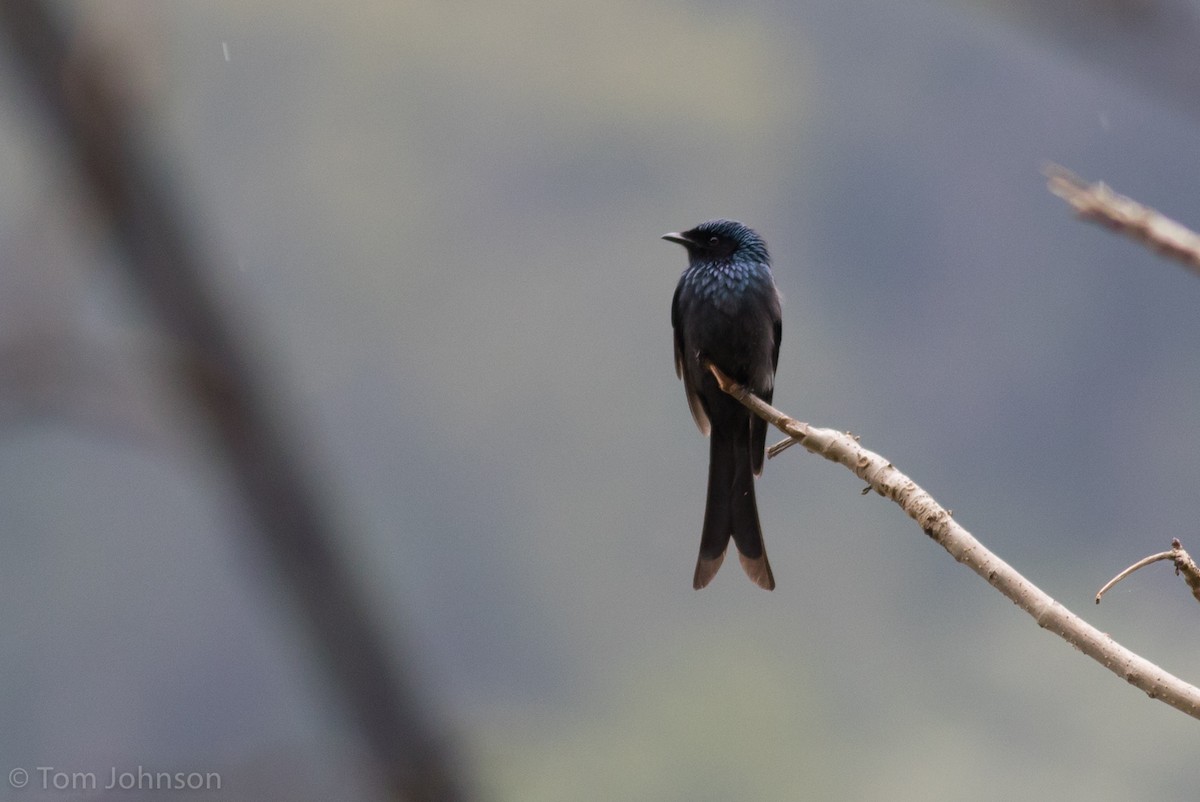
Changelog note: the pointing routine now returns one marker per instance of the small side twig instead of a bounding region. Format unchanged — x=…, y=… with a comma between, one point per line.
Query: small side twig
x=936, y=521
x=1098, y=203
x=780, y=447
x=1184, y=564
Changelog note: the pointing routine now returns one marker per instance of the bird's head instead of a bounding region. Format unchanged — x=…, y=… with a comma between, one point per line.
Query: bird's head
x=721, y=240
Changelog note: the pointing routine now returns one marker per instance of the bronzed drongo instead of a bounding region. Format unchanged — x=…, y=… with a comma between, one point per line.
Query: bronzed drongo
x=726, y=311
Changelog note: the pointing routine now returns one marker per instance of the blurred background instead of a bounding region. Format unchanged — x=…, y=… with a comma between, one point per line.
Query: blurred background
x=435, y=227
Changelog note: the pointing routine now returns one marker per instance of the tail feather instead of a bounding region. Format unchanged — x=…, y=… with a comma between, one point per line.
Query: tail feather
x=718, y=520
x=706, y=569
x=731, y=510
x=759, y=570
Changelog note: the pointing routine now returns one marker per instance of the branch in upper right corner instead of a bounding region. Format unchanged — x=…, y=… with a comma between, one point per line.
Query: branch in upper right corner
x=1098, y=203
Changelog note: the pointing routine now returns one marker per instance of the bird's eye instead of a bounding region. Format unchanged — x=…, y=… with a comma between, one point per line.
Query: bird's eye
x=713, y=240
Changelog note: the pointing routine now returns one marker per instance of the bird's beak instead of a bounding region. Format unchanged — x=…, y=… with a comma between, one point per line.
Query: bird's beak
x=675, y=236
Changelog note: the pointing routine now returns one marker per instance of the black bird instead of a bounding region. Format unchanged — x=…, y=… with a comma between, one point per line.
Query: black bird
x=726, y=310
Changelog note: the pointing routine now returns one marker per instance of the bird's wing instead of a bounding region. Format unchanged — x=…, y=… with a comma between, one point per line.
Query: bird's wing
x=696, y=405
x=678, y=331
x=778, y=337
x=758, y=426
x=686, y=369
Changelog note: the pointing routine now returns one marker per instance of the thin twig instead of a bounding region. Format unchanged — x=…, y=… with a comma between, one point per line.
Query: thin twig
x=1142, y=563
x=1098, y=203
x=937, y=522
x=1184, y=564
x=780, y=447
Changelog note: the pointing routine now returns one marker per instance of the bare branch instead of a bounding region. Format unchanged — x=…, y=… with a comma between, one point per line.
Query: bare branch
x=936, y=521
x=1184, y=564
x=1142, y=563
x=1098, y=203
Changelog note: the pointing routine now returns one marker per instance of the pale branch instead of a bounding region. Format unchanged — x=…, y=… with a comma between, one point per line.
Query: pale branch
x=1142, y=563
x=936, y=521
x=1184, y=564
x=1098, y=203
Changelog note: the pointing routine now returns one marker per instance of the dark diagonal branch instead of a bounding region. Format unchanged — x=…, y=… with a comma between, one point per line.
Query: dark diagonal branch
x=294, y=522
x=1184, y=565
x=1098, y=203
x=936, y=521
